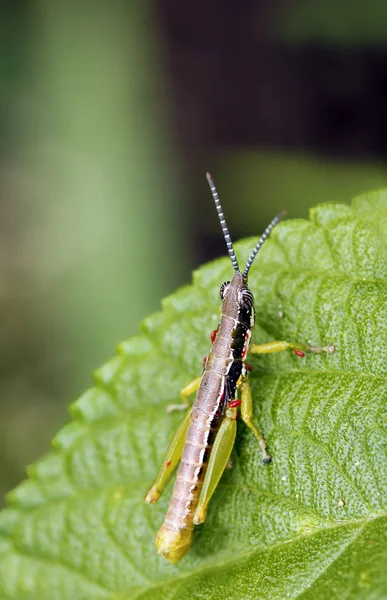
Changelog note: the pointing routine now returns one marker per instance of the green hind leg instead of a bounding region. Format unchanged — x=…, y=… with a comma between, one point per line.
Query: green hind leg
x=170, y=461
x=175, y=449
x=219, y=458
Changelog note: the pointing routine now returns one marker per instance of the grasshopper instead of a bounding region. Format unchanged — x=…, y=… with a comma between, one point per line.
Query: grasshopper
x=206, y=436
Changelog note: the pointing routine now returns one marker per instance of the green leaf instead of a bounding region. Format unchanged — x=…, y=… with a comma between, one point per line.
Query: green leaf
x=329, y=23
x=313, y=523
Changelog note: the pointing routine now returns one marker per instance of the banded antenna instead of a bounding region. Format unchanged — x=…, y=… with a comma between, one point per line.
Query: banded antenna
x=223, y=223
x=264, y=237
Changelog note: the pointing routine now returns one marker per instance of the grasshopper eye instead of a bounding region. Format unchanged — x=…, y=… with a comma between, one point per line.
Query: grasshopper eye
x=223, y=289
x=246, y=299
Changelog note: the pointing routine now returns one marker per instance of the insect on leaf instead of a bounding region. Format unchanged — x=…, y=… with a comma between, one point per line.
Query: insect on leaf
x=313, y=523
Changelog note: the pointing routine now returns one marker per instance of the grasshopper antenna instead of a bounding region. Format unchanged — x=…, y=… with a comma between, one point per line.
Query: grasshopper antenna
x=264, y=237
x=223, y=223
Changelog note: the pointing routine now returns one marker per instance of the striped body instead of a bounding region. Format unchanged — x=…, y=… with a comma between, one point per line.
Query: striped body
x=218, y=386
x=204, y=445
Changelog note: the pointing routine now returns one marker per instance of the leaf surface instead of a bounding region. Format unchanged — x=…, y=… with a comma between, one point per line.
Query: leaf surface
x=313, y=523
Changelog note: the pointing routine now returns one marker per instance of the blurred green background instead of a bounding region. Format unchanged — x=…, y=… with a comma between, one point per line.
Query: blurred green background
x=110, y=114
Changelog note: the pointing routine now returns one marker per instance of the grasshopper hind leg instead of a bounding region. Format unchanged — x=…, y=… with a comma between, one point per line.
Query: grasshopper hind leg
x=219, y=459
x=175, y=449
x=170, y=461
x=173, y=543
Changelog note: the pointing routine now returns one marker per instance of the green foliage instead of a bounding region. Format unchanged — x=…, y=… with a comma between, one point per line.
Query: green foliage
x=312, y=524
x=283, y=179
x=330, y=22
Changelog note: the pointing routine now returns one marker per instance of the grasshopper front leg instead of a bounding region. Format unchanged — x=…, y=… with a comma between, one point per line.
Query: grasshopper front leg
x=247, y=416
x=185, y=393
x=246, y=398
x=279, y=346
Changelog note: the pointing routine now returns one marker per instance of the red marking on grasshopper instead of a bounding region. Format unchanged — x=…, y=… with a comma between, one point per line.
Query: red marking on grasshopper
x=234, y=403
x=213, y=335
x=204, y=361
x=168, y=464
x=248, y=366
x=299, y=352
